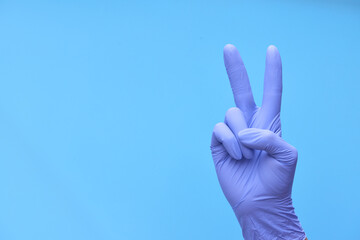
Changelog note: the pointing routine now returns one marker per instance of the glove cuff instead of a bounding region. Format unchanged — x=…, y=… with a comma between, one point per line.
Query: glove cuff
x=264, y=219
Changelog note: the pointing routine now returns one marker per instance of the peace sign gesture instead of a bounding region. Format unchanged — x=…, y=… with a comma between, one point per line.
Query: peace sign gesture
x=254, y=165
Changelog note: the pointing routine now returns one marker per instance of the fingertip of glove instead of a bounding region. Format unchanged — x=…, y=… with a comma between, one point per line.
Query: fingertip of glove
x=229, y=47
x=272, y=48
x=242, y=134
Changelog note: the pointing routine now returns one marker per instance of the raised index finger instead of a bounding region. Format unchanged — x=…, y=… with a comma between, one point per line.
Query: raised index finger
x=239, y=79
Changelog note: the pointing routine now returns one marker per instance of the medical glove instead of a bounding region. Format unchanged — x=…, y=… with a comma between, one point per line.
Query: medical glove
x=254, y=165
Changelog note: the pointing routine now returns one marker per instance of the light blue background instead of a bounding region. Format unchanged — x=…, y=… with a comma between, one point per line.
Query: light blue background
x=107, y=108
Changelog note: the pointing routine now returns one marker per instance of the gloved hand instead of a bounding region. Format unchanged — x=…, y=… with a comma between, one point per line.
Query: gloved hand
x=254, y=165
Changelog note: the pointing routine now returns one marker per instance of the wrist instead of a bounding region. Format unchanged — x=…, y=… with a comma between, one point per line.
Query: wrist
x=269, y=219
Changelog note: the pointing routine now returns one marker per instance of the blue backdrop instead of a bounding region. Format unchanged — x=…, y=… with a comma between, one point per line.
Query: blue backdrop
x=107, y=108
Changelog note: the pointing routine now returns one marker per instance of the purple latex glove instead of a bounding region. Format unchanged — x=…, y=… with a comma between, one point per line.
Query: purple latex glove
x=254, y=165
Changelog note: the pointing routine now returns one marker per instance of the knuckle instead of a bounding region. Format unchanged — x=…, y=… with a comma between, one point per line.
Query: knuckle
x=218, y=126
x=231, y=111
x=293, y=153
x=228, y=139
